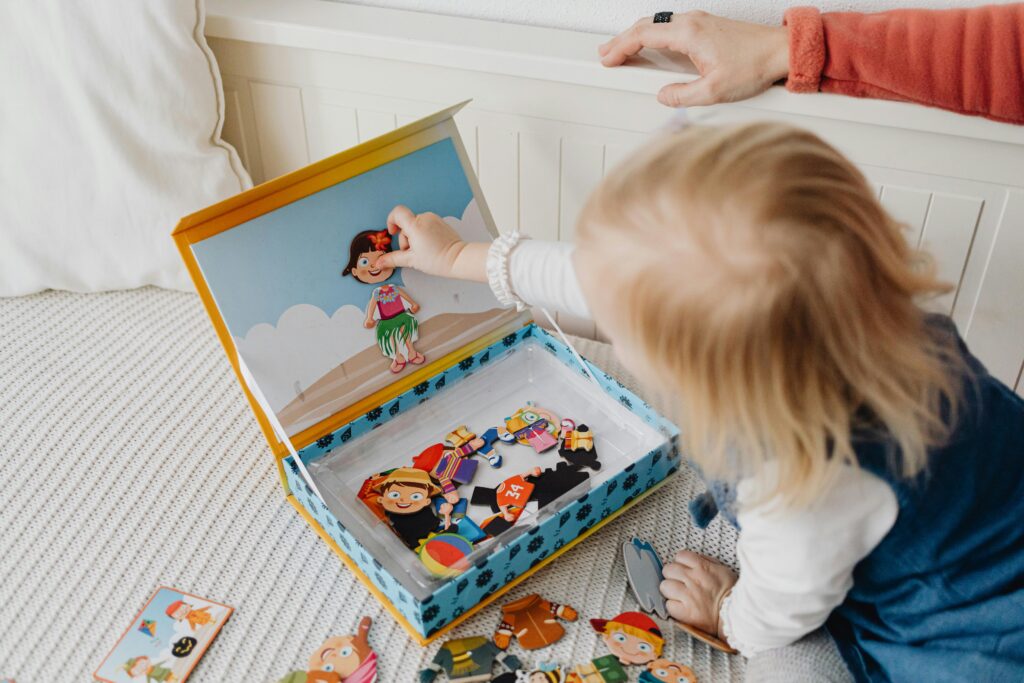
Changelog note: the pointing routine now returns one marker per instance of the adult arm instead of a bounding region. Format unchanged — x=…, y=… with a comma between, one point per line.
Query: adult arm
x=970, y=60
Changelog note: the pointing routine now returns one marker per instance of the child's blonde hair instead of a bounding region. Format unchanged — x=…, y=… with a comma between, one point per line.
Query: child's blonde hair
x=760, y=282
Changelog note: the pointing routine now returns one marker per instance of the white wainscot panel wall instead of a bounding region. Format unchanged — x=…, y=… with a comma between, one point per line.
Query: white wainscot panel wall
x=540, y=147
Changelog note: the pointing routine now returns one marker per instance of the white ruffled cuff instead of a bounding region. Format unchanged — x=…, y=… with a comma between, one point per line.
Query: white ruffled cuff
x=498, y=275
x=725, y=627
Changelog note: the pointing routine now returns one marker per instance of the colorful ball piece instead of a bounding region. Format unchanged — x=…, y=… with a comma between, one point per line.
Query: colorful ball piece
x=445, y=554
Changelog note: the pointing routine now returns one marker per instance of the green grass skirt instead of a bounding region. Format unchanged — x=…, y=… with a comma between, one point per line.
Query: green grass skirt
x=393, y=333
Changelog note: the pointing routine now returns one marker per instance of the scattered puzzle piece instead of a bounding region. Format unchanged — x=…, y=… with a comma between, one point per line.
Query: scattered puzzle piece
x=532, y=620
x=468, y=659
x=644, y=572
x=664, y=671
x=633, y=637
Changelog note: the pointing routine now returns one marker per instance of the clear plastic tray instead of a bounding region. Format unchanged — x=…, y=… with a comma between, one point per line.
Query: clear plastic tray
x=529, y=372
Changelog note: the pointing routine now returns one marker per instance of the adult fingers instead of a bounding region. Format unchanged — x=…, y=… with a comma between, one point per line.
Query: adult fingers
x=401, y=218
x=644, y=33
x=700, y=92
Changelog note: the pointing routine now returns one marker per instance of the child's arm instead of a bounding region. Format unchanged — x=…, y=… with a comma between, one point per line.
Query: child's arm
x=521, y=272
x=796, y=566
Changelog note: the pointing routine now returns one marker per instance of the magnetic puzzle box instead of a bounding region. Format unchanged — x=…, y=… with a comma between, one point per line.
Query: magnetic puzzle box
x=445, y=447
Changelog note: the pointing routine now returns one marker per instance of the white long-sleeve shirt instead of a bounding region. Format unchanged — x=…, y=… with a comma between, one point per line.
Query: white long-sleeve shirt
x=796, y=566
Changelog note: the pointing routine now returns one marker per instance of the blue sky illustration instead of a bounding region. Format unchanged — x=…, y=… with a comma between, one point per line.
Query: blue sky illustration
x=295, y=254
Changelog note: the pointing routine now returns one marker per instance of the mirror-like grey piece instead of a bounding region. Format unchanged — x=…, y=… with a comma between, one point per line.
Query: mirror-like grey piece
x=643, y=569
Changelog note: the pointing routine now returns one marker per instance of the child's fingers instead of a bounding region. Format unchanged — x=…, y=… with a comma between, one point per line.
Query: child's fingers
x=401, y=218
x=673, y=589
x=395, y=259
x=688, y=558
x=682, y=610
x=675, y=571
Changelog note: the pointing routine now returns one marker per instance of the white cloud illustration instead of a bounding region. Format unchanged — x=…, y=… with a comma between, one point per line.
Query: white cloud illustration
x=305, y=344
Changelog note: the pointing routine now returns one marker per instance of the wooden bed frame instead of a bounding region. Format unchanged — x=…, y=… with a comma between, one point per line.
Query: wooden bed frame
x=306, y=78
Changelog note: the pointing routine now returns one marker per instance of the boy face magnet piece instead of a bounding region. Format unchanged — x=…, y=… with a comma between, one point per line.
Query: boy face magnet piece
x=345, y=658
x=664, y=671
x=632, y=637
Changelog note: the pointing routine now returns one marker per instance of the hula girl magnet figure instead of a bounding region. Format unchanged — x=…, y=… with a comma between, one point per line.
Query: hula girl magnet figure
x=397, y=329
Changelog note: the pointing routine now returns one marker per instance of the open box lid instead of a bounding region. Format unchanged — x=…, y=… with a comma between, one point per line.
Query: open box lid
x=286, y=272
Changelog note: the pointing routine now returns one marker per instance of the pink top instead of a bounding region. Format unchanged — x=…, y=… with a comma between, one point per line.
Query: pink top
x=389, y=302
x=367, y=671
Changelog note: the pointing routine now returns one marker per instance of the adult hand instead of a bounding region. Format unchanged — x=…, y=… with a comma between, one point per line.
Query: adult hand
x=735, y=59
x=694, y=587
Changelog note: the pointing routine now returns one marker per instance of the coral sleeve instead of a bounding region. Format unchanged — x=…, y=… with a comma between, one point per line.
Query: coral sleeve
x=970, y=61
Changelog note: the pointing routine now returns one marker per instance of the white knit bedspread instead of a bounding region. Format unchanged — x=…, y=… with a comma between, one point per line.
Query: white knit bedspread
x=129, y=458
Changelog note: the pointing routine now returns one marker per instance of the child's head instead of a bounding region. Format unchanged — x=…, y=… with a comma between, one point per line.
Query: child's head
x=366, y=248
x=759, y=281
x=406, y=490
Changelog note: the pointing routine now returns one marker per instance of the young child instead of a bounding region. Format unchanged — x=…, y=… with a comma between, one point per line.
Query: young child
x=872, y=463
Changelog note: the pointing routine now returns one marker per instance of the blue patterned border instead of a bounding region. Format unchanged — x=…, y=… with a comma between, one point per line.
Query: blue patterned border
x=462, y=593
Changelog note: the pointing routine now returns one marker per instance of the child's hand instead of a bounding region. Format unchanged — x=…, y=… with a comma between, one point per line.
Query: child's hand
x=428, y=244
x=425, y=243
x=694, y=586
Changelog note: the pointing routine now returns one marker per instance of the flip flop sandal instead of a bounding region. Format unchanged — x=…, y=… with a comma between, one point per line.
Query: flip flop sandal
x=397, y=367
x=418, y=359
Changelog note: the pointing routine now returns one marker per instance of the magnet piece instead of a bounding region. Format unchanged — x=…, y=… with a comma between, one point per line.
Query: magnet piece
x=445, y=554
x=577, y=445
x=664, y=671
x=488, y=450
x=644, y=572
x=605, y=669
x=633, y=637
x=499, y=523
x=706, y=637
x=552, y=483
x=513, y=492
x=348, y=658
x=405, y=495
x=534, y=426
x=447, y=465
x=532, y=620
x=468, y=659
x=368, y=494
x=391, y=308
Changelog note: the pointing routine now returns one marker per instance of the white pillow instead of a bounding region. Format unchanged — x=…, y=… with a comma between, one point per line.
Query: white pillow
x=109, y=133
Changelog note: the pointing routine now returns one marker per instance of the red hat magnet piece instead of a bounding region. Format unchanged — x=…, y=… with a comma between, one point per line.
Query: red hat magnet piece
x=633, y=637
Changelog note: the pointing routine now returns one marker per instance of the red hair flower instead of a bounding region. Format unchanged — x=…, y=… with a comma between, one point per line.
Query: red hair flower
x=380, y=240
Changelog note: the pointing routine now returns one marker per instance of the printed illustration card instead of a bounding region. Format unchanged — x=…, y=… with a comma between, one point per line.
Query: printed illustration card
x=165, y=640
